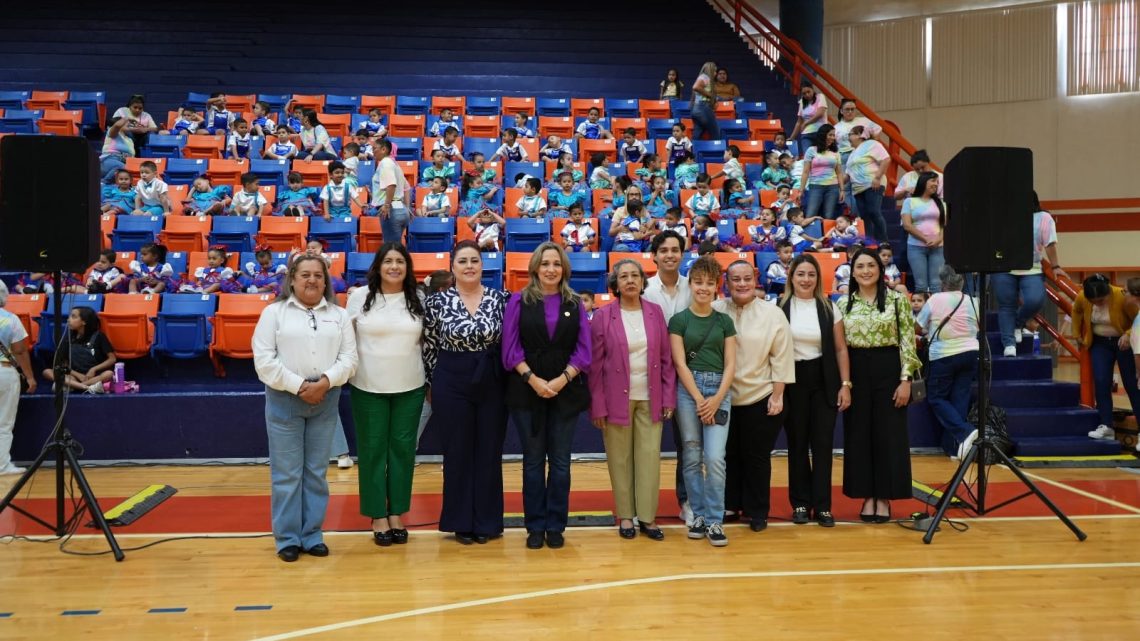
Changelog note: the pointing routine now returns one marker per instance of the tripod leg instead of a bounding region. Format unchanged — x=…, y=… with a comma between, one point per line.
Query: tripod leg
x=93, y=504
x=948, y=495
x=1025, y=480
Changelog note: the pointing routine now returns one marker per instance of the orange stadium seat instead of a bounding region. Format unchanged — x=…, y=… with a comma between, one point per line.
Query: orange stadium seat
x=512, y=105
x=751, y=151
x=712, y=169
x=827, y=266
x=386, y=104
x=406, y=126
x=106, y=226
x=185, y=233
x=283, y=233
x=481, y=126
x=580, y=107
x=177, y=195
x=725, y=110
x=511, y=200
x=551, y=166
x=226, y=171
x=316, y=102
x=369, y=238
x=621, y=124
x=201, y=259
x=234, y=323
x=516, y=272
x=764, y=129
x=643, y=259
x=240, y=103
x=411, y=170
x=656, y=109
x=125, y=320
x=426, y=263
x=587, y=148
x=27, y=307
x=457, y=104
x=61, y=122
x=46, y=100
x=337, y=125
x=555, y=126
x=205, y=147
x=315, y=173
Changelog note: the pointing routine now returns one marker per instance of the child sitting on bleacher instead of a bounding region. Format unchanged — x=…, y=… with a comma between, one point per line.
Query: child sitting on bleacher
x=439, y=168
x=150, y=192
x=477, y=195
x=338, y=193
x=448, y=146
x=800, y=241
x=521, y=178
x=215, y=277
x=262, y=276
x=738, y=202
x=363, y=142
x=890, y=270
x=204, y=199
x=732, y=167
x=704, y=202
x=650, y=167
x=120, y=197
x=350, y=157
x=660, y=197
x=283, y=148
x=262, y=124
x=678, y=144
x=249, y=201
x=632, y=149
x=843, y=272
x=631, y=230
x=436, y=203
x=565, y=196
x=487, y=225
x=374, y=125
x=600, y=177
x=104, y=278
x=685, y=175
x=795, y=169
x=778, y=270
x=42, y=283
x=522, y=130
x=565, y=164
x=218, y=118
x=842, y=236
x=765, y=235
x=673, y=223
x=704, y=231
x=591, y=129
x=297, y=200
x=480, y=168
x=150, y=273
x=510, y=149
x=237, y=144
x=187, y=123
x=783, y=201
x=578, y=234
x=780, y=144
x=91, y=354
x=553, y=148
x=294, y=119
x=773, y=174
x=531, y=205
x=446, y=120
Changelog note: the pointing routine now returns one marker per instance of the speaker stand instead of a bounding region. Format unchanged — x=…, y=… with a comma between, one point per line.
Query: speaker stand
x=64, y=447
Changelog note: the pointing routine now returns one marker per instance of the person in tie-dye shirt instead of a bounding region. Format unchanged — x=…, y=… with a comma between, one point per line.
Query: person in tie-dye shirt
x=823, y=175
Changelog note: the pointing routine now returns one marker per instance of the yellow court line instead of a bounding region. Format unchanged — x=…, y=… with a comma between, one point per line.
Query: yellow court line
x=333, y=627
x=1089, y=495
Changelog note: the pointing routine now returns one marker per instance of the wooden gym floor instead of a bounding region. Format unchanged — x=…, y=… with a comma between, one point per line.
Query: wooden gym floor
x=1015, y=574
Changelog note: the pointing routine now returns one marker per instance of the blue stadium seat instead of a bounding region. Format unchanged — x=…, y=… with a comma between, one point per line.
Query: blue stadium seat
x=132, y=232
x=47, y=319
x=606, y=241
x=183, y=171
x=364, y=172
x=526, y=234
x=748, y=110
x=275, y=101
x=763, y=260
x=512, y=169
x=356, y=267
x=163, y=146
x=588, y=270
x=660, y=128
x=181, y=329
x=196, y=101
x=13, y=99
x=725, y=228
x=552, y=106
x=337, y=144
x=413, y=105
x=20, y=121
x=508, y=122
x=681, y=108
x=486, y=146
x=623, y=108
x=335, y=104
x=708, y=150
x=615, y=169
x=483, y=106
x=256, y=145
x=493, y=270
x=433, y=235
x=752, y=172
x=88, y=102
x=733, y=129
x=234, y=232
x=407, y=148
x=340, y=232
x=687, y=260
x=178, y=262
x=270, y=172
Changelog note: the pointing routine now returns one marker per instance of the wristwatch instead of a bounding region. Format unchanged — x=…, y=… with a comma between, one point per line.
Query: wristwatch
x=847, y=384
x=526, y=376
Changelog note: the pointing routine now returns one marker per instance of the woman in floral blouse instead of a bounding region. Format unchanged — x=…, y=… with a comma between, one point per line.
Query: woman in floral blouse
x=879, y=329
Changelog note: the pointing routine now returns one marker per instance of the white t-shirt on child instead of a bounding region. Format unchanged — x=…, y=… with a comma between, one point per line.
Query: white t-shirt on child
x=151, y=192
x=247, y=204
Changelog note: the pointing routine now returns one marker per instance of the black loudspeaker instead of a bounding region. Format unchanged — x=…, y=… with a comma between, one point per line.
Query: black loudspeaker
x=49, y=203
x=989, y=199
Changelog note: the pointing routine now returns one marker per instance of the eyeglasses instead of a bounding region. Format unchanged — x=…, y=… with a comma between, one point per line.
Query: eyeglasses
x=312, y=319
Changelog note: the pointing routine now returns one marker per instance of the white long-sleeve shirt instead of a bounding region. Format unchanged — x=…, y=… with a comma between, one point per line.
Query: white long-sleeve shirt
x=287, y=350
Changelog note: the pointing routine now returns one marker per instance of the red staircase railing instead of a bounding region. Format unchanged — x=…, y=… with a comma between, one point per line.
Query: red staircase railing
x=1063, y=292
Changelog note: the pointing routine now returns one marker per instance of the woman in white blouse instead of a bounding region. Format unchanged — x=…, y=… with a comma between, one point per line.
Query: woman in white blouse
x=822, y=389
x=304, y=350
x=388, y=389
x=315, y=141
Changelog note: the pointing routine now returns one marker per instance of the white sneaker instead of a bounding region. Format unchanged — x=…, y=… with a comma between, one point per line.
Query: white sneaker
x=967, y=444
x=1017, y=335
x=344, y=461
x=1010, y=351
x=95, y=388
x=1103, y=432
x=686, y=514
x=12, y=468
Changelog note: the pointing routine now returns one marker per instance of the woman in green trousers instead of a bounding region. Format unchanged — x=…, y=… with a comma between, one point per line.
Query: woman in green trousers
x=388, y=389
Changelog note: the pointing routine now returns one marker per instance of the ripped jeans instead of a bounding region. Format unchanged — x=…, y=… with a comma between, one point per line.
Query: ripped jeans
x=703, y=444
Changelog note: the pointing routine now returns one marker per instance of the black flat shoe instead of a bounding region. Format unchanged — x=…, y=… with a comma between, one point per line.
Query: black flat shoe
x=731, y=516
x=654, y=533
x=399, y=536
x=868, y=518
x=555, y=540
x=481, y=539
x=884, y=518
x=289, y=553
x=825, y=519
x=465, y=538
x=383, y=539
x=319, y=549
x=626, y=532
x=534, y=540
x=758, y=525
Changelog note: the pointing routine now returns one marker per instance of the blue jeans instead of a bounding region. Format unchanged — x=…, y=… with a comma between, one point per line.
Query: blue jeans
x=822, y=198
x=394, y=226
x=869, y=206
x=1010, y=316
x=546, y=498
x=111, y=164
x=703, y=444
x=948, y=392
x=319, y=155
x=704, y=119
x=340, y=441
x=925, y=262
x=1105, y=352
x=848, y=196
x=300, y=436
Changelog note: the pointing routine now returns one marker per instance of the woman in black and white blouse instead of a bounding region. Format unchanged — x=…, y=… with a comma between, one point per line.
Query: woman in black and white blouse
x=463, y=334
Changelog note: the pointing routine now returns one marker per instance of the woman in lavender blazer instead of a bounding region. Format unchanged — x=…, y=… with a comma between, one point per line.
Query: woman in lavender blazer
x=632, y=389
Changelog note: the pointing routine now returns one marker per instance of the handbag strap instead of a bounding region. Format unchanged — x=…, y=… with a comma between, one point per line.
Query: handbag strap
x=704, y=339
x=934, y=336
x=12, y=359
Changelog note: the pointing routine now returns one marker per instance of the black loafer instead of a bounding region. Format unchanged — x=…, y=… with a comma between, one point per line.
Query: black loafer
x=534, y=540
x=825, y=519
x=758, y=525
x=383, y=539
x=289, y=553
x=481, y=539
x=319, y=549
x=653, y=533
x=555, y=540
x=466, y=538
x=400, y=536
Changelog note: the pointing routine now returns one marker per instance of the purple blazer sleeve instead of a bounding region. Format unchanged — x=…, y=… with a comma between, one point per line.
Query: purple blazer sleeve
x=512, y=346
x=597, y=371
x=581, y=358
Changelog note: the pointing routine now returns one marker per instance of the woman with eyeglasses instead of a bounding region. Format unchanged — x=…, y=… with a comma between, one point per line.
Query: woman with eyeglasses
x=849, y=120
x=1102, y=322
x=304, y=350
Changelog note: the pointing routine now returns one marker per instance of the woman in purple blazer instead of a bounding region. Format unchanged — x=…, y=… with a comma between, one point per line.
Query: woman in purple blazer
x=632, y=389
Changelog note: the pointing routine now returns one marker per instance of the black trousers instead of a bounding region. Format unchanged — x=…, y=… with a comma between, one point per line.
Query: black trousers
x=467, y=402
x=811, y=437
x=876, y=445
x=748, y=458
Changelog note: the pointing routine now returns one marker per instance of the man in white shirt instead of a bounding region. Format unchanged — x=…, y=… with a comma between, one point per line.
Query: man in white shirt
x=389, y=193
x=669, y=290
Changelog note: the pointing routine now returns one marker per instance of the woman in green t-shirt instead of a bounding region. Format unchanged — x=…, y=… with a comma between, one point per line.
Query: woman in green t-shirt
x=704, y=353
